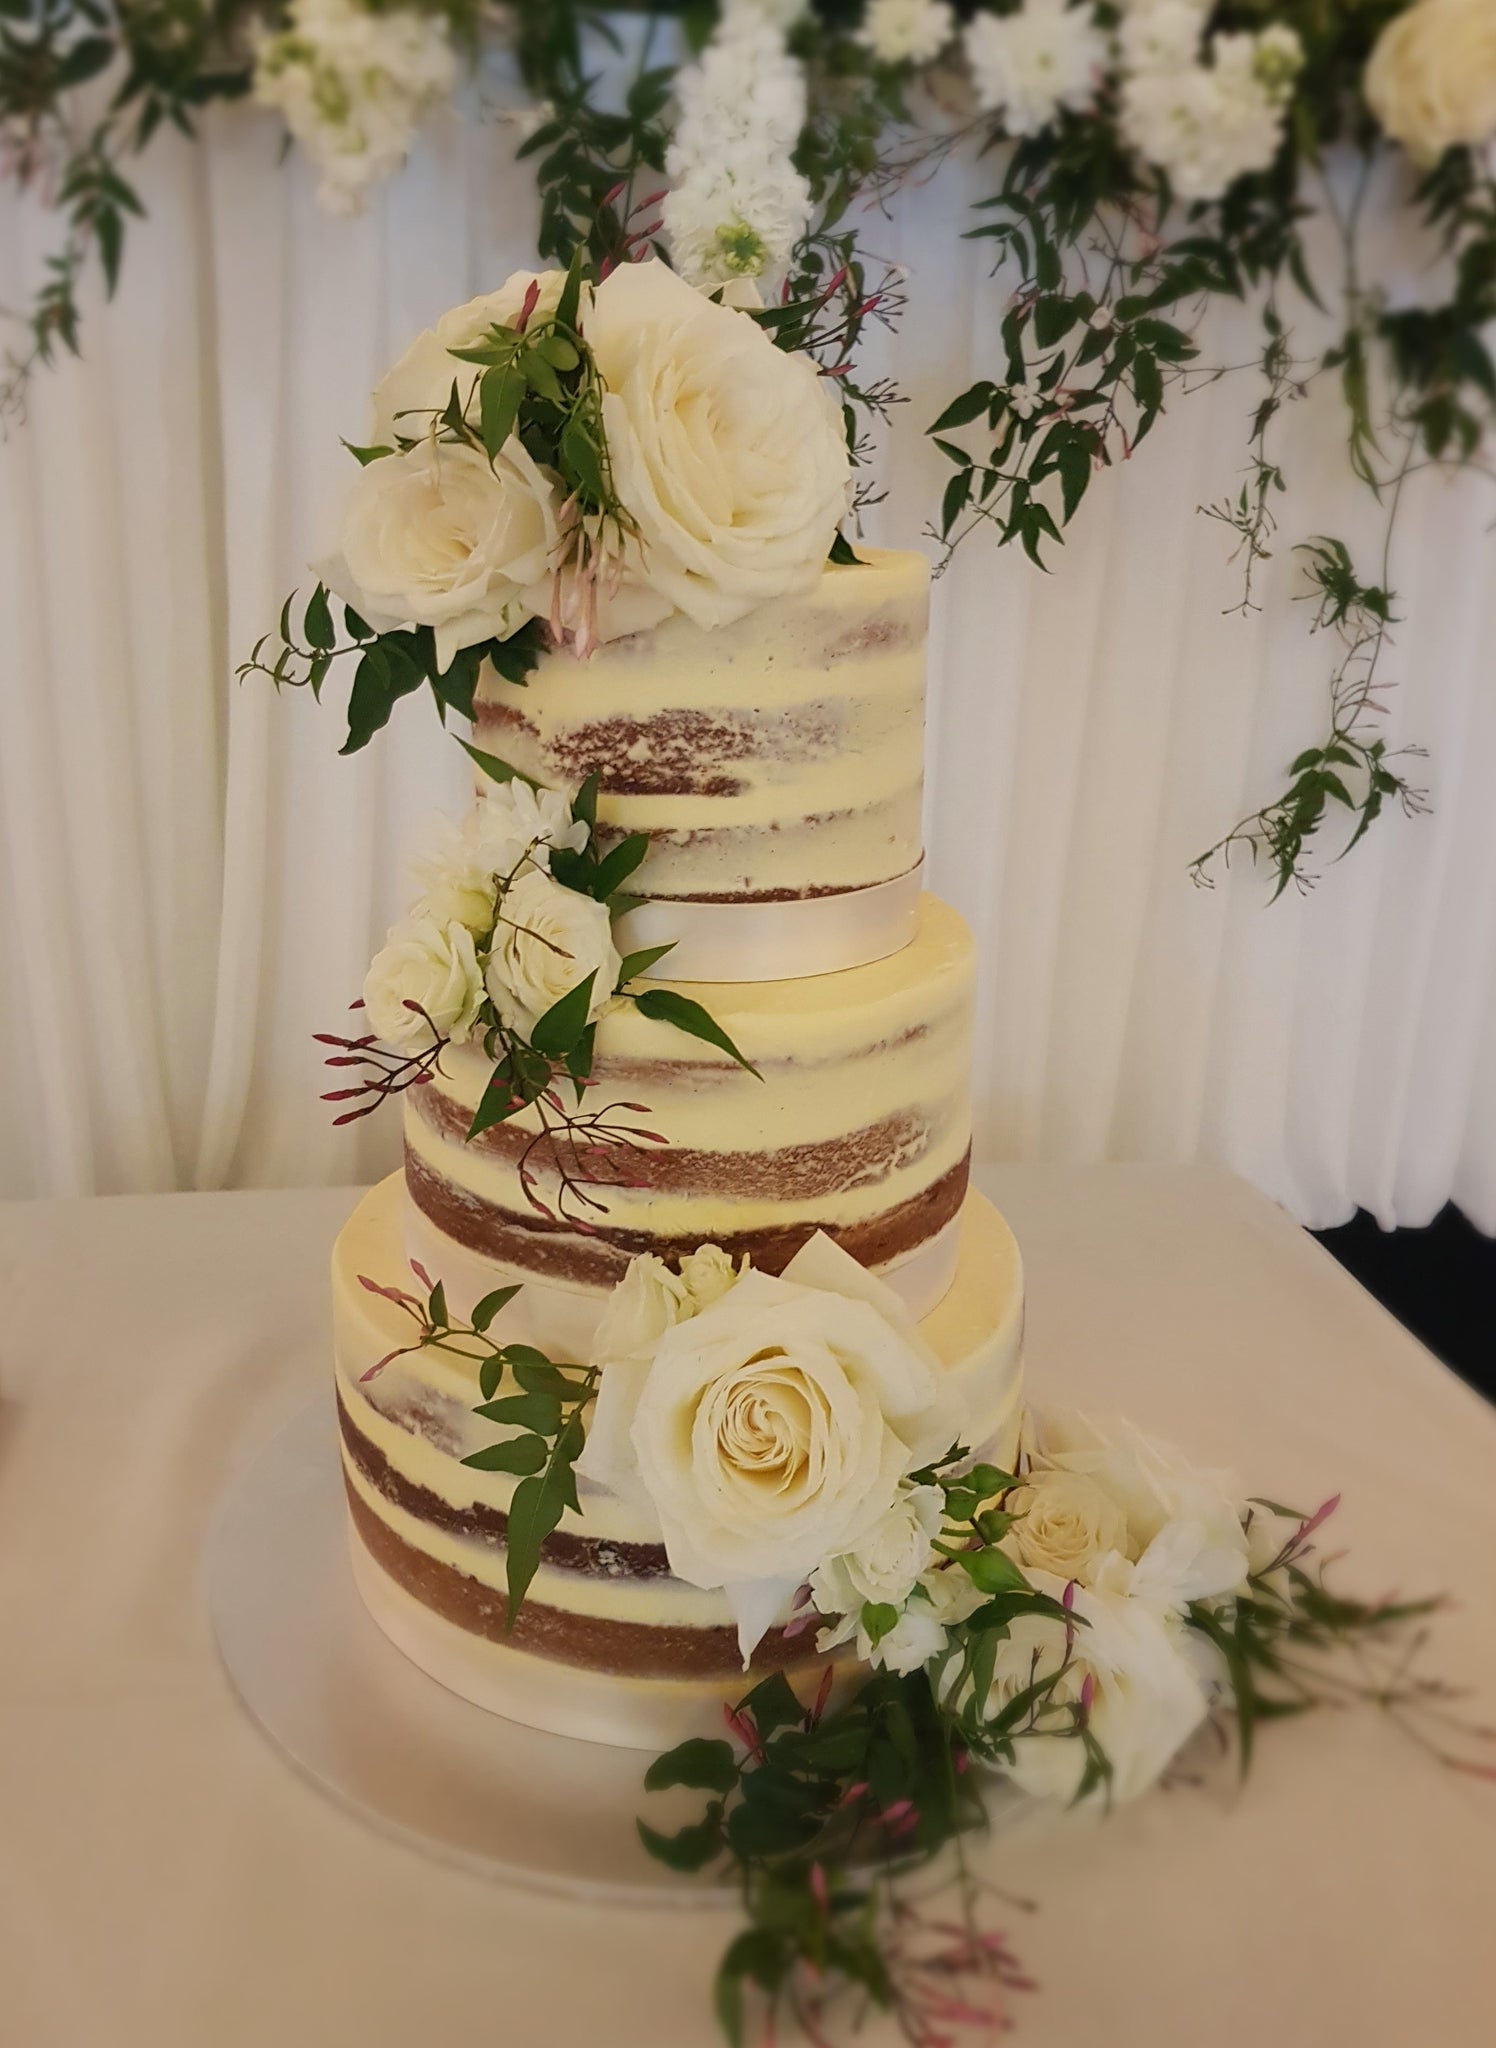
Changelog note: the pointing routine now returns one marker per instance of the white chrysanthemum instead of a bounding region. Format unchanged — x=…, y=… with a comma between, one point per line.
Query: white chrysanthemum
x=779, y=14
x=1162, y=37
x=737, y=206
x=906, y=31
x=1028, y=66
x=352, y=85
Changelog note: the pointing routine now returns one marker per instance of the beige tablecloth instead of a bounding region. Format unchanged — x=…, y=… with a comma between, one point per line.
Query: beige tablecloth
x=166, y=1882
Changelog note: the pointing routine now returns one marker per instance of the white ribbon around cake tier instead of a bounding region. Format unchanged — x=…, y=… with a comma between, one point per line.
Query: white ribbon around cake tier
x=775, y=941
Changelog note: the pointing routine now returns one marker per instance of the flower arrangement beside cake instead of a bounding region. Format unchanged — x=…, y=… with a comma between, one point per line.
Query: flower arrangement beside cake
x=715, y=1364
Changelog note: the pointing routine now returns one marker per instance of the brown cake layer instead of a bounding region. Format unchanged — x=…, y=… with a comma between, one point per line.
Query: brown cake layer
x=782, y=1173
x=589, y=1554
x=551, y=1250
x=623, y=1649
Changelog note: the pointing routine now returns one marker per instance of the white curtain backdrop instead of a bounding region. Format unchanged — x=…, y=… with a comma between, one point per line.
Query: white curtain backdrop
x=191, y=880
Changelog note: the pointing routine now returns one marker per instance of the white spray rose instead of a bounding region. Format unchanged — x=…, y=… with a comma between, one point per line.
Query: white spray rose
x=1067, y=1525
x=1431, y=81
x=769, y=1432
x=728, y=452
x=1147, y=1696
x=431, y=964
x=440, y=537
x=1027, y=66
x=651, y=1299
x=885, y=1570
x=547, y=940
x=906, y=31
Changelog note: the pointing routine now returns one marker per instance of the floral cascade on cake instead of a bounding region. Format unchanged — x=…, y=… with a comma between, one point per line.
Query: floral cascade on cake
x=681, y=1348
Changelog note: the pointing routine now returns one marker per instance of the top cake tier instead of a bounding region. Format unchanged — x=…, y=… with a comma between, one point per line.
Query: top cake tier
x=772, y=761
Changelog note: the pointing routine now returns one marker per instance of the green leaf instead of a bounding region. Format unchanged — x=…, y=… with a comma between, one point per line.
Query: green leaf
x=584, y=803
x=538, y=1412
x=495, y=769
x=614, y=869
x=537, y=1507
x=378, y=685
x=364, y=456
x=521, y=1454
x=699, y=1764
x=843, y=554
x=436, y=1307
x=538, y=1376
x=581, y=460
x=499, y=393
x=773, y=1704
x=961, y=411
x=500, y=1101
x=669, y=1006
x=634, y=964
x=564, y=1022
x=491, y=1304
x=490, y=1374
x=690, y=1848
x=878, y=1620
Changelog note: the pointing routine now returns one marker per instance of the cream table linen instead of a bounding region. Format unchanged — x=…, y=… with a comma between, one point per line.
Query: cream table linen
x=166, y=1882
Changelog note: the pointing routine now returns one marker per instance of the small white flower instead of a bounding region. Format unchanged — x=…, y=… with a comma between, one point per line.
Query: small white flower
x=459, y=866
x=1162, y=37
x=1101, y=319
x=651, y=1299
x=547, y=940
x=1025, y=399
x=906, y=31
x=432, y=965
x=1028, y=66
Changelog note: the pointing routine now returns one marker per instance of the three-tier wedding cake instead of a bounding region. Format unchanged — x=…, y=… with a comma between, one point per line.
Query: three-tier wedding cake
x=766, y=774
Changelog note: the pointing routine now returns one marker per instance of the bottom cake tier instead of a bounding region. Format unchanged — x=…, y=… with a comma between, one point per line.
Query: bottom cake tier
x=608, y=1645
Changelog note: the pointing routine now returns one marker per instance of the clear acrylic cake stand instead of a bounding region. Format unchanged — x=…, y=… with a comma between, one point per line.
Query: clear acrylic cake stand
x=363, y=1725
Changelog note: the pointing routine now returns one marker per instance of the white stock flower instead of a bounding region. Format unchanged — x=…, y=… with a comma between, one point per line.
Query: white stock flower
x=737, y=206
x=906, y=31
x=546, y=941
x=728, y=452
x=1027, y=66
x=651, y=1299
x=1147, y=1695
x=438, y=536
x=351, y=84
x=513, y=824
x=433, y=965
x=1162, y=37
x=1207, y=125
x=772, y=1430
x=1431, y=80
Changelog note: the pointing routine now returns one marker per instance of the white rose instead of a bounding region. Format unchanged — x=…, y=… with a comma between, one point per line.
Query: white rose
x=1147, y=1696
x=728, y=452
x=768, y=1433
x=651, y=1299
x=433, y=965
x=409, y=396
x=886, y=1565
x=1184, y=1535
x=1431, y=80
x=1067, y=1525
x=440, y=537
x=546, y=941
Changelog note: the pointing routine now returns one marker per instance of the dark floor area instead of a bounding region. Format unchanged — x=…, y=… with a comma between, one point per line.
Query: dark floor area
x=1440, y=1282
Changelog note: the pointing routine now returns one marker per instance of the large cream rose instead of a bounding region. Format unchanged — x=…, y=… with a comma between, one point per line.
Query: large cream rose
x=433, y=965
x=1431, y=81
x=1148, y=1697
x=771, y=1431
x=727, y=451
x=441, y=537
x=546, y=941
x=409, y=396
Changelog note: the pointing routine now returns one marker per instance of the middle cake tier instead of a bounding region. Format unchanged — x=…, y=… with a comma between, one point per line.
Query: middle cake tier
x=857, y=1122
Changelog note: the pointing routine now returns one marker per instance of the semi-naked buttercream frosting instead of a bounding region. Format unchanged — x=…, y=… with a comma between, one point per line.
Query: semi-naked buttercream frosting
x=781, y=757
x=608, y=1643
x=856, y=1122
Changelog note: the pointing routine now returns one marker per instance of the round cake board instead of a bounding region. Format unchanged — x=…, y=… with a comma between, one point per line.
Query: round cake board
x=374, y=1733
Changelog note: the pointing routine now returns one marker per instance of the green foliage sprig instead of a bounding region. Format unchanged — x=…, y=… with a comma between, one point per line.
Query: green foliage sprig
x=826, y=1815
x=543, y=1416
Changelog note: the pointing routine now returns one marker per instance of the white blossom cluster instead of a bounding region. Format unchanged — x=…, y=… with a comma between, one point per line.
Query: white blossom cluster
x=1204, y=116
x=906, y=31
x=1027, y=67
x=352, y=86
x=737, y=206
